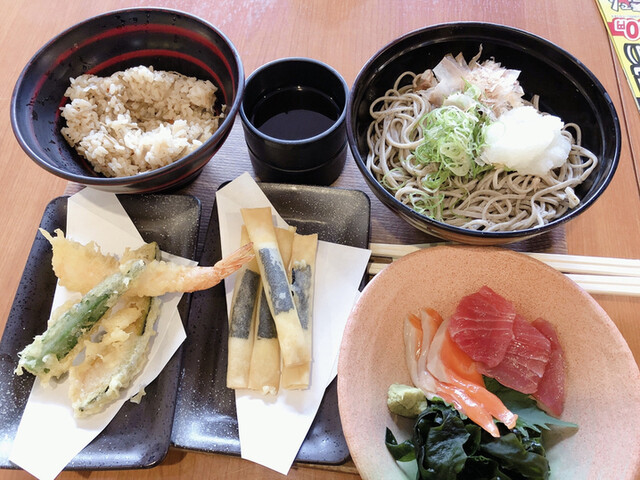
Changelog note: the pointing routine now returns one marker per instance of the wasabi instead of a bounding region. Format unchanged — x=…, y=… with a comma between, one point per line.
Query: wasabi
x=406, y=401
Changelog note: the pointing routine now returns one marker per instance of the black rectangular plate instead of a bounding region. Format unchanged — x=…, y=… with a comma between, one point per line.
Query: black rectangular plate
x=205, y=418
x=139, y=435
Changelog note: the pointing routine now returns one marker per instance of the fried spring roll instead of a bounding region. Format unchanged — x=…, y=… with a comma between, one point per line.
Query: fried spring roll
x=265, y=360
x=293, y=347
x=242, y=321
x=264, y=374
x=302, y=269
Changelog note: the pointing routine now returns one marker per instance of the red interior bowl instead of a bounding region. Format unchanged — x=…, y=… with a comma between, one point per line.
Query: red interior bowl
x=166, y=39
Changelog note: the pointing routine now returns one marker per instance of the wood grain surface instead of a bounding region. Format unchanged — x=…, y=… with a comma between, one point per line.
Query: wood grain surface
x=344, y=34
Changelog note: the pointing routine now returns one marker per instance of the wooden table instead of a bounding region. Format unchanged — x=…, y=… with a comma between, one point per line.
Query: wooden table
x=344, y=34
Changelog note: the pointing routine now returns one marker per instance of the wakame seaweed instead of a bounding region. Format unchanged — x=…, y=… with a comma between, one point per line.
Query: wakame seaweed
x=449, y=446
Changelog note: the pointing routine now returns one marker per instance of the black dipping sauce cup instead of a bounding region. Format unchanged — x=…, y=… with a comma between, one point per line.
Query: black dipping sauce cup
x=293, y=116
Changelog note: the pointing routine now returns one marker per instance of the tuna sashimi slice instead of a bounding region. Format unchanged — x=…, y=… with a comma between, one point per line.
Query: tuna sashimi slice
x=551, y=394
x=482, y=326
x=525, y=360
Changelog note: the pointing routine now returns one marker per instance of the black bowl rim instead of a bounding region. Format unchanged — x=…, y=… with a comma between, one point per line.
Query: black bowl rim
x=218, y=135
x=452, y=230
x=336, y=125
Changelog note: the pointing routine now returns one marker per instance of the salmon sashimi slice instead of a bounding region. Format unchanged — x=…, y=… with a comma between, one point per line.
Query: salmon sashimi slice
x=418, y=334
x=446, y=359
x=551, y=391
x=462, y=401
x=489, y=401
x=525, y=360
x=482, y=326
x=450, y=365
x=421, y=333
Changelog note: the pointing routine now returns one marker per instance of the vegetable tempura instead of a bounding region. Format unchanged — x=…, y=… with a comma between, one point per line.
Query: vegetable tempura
x=112, y=324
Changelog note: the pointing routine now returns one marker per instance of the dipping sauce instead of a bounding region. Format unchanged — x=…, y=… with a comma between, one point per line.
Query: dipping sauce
x=295, y=113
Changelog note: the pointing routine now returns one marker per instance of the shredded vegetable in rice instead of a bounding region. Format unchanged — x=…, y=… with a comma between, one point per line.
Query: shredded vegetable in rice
x=139, y=119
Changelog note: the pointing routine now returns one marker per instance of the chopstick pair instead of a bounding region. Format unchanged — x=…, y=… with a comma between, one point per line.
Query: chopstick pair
x=600, y=275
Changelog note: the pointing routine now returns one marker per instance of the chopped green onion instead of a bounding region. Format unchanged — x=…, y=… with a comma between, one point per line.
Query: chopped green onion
x=453, y=137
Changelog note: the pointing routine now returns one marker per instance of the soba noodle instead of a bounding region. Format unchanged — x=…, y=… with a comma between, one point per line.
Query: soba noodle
x=496, y=200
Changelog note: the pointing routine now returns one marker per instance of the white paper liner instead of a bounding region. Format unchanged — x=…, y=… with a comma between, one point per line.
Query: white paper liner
x=272, y=428
x=49, y=436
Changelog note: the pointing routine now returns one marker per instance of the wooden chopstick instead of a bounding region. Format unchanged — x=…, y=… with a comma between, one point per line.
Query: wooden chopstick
x=396, y=251
x=607, y=284
x=602, y=275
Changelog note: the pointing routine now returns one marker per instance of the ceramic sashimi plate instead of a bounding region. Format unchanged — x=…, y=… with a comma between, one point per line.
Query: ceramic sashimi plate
x=602, y=377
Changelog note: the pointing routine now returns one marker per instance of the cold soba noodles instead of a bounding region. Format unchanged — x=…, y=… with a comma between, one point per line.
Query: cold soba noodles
x=460, y=144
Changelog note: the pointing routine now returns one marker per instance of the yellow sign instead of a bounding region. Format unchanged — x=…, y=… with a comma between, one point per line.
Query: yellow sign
x=622, y=19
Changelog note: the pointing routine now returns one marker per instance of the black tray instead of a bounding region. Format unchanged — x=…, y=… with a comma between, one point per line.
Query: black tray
x=205, y=417
x=139, y=435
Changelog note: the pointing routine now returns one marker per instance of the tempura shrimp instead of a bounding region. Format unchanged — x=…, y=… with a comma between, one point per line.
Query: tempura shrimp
x=80, y=267
x=162, y=277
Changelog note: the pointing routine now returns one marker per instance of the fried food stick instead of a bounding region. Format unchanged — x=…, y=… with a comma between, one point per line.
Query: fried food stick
x=302, y=268
x=264, y=374
x=293, y=347
x=242, y=321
